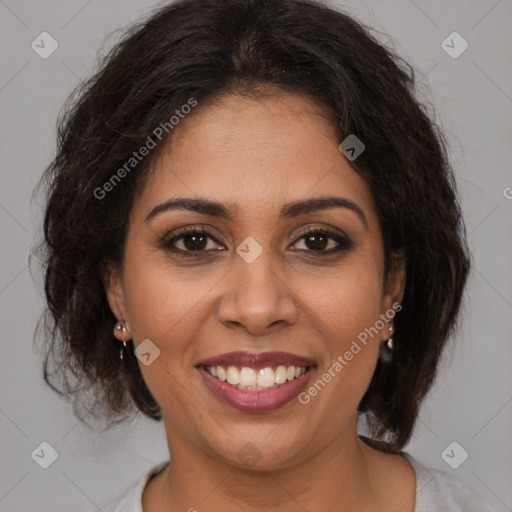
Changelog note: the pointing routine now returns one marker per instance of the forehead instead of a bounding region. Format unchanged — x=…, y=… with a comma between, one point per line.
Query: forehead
x=254, y=156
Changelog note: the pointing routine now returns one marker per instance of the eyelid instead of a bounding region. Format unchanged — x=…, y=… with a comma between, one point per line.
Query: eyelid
x=328, y=229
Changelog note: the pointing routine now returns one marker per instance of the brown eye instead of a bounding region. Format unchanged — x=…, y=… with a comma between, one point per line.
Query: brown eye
x=194, y=242
x=316, y=241
x=323, y=241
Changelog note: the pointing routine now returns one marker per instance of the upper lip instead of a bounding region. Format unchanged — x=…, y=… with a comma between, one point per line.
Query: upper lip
x=256, y=360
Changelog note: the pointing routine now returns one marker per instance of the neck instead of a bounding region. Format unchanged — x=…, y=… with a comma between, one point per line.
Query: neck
x=341, y=476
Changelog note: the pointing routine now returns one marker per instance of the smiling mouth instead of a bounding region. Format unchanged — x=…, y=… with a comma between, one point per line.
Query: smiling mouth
x=255, y=379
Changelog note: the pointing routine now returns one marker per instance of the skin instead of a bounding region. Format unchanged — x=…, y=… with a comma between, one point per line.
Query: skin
x=258, y=155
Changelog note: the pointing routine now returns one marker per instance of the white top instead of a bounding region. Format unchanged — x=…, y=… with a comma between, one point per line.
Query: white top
x=435, y=491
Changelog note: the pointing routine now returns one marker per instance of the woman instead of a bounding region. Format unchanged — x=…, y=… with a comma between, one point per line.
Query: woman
x=252, y=233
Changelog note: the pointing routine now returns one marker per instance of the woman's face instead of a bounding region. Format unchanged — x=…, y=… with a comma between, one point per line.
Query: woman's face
x=256, y=282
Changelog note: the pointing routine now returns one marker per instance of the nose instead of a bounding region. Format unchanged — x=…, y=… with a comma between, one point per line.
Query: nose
x=257, y=298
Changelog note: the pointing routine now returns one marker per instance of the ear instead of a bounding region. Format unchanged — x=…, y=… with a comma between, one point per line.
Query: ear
x=394, y=288
x=115, y=292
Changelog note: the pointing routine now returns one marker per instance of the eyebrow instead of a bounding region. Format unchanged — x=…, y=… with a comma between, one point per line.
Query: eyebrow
x=228, y=212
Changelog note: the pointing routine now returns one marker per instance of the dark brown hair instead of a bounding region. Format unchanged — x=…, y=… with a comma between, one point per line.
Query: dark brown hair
x=204, y=49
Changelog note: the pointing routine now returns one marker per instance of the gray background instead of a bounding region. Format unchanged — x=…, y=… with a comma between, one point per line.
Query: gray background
x=471, y=402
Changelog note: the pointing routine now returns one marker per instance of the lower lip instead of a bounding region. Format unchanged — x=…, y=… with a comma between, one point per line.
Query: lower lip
x=265, y=400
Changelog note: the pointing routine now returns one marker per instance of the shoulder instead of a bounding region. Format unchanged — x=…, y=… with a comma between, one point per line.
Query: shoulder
x=436, y=490
x=131, y=499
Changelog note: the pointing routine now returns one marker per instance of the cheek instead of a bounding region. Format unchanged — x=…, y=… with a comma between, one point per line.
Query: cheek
x=346, y=314
x=345, y=309
x=161, y=299
x=345, y=302
x=160, y=308
x=158, y=297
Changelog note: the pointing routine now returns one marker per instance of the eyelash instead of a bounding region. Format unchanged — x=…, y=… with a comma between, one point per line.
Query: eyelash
x=345, y=243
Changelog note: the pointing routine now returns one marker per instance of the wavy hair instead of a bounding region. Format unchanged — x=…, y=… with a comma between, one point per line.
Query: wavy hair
x=206, y=49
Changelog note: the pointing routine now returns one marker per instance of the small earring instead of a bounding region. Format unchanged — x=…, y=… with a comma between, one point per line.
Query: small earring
x=386, y=348
x=389, y=343
x=121, y=333
x=121, y=351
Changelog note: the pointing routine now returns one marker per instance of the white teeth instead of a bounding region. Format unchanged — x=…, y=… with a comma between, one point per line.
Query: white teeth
x=233, y=375
x=281, y=375
x=250, y=379
x=266, y=377
x=247, y=376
